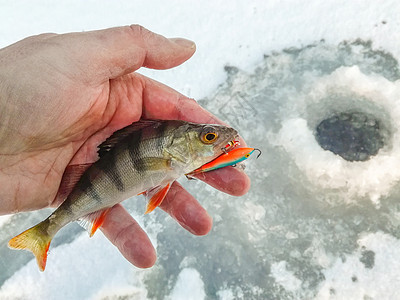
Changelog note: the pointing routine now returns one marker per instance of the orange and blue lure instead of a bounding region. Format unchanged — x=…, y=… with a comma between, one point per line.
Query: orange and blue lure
x=230, y=158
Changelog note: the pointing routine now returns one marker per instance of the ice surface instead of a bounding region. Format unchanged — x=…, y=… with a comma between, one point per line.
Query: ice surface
x=284, y=277
x=346, y=89
x=313, y=225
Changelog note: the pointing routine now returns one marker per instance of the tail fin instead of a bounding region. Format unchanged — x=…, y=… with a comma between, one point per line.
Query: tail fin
x=36, y=240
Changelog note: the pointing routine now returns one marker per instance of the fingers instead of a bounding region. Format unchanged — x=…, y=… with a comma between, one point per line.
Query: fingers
x=229, y=180
x=185, y=209
x=133, y=243
x=125, y=233
x=113, y=52
x=175, y=106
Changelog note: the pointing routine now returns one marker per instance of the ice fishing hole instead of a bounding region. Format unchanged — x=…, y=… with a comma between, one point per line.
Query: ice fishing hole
x=355, y=136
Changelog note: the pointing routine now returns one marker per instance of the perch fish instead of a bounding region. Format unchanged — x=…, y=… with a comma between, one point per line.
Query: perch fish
x=145, y=157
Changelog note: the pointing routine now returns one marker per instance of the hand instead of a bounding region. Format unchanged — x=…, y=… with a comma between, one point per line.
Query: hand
x=62, y=95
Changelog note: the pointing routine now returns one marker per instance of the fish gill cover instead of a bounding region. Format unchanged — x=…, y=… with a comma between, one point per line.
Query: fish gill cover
x=309, y=226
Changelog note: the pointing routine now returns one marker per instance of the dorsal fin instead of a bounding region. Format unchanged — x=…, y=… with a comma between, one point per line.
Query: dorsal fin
x=123, y=133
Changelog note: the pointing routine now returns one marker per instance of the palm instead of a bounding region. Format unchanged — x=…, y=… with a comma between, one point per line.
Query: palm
x=73, y=136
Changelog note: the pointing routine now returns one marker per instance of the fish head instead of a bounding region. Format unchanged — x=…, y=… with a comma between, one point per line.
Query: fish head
x=198, y=144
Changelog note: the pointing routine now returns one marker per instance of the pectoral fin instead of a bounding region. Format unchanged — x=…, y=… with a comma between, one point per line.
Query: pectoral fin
x=156, y=163
x=93, y=221
x=71, y=176
x=155, y=196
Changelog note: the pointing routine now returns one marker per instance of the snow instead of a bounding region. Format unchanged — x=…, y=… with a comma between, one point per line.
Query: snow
x=312, y=225
x=351, y=278
x=189, y=286
x=4, y=219
x=100, y=256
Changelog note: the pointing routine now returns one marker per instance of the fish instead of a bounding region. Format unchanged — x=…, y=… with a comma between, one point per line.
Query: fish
x=229, y=158
x=145, y=157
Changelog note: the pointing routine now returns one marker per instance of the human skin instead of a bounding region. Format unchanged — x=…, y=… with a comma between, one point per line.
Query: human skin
x=62, y=95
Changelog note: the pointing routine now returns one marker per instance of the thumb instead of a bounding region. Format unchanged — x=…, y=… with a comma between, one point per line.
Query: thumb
x=113, y=52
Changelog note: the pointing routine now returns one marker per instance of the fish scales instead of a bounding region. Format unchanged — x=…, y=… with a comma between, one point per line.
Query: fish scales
x=121, y=173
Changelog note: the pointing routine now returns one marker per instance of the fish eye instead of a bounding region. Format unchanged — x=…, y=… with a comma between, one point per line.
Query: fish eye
x=209, y=137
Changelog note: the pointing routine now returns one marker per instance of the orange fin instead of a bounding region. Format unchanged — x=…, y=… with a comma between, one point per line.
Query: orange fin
x=156, y=196
x=35, y=240
x=93, y=221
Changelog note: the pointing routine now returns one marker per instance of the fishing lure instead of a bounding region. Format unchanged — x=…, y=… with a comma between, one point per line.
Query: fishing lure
x=230, y=158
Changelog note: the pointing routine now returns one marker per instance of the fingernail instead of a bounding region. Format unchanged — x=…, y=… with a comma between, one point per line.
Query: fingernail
x=184, y=42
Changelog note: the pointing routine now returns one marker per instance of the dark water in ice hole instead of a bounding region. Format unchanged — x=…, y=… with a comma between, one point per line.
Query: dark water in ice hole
x=354, y=136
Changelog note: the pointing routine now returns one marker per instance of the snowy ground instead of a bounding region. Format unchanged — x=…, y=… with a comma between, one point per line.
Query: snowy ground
x=313, y=225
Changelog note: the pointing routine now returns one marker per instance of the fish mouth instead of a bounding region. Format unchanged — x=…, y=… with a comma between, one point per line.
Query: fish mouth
x=230, y=145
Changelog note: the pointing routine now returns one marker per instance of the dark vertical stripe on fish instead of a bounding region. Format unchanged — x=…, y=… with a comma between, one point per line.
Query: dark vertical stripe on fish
x=134, y=152
x=109, y=167
x=86, y=186
x=161, y=130
x=69, y=209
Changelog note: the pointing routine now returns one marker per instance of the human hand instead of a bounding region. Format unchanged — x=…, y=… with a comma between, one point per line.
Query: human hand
x=62, y=95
